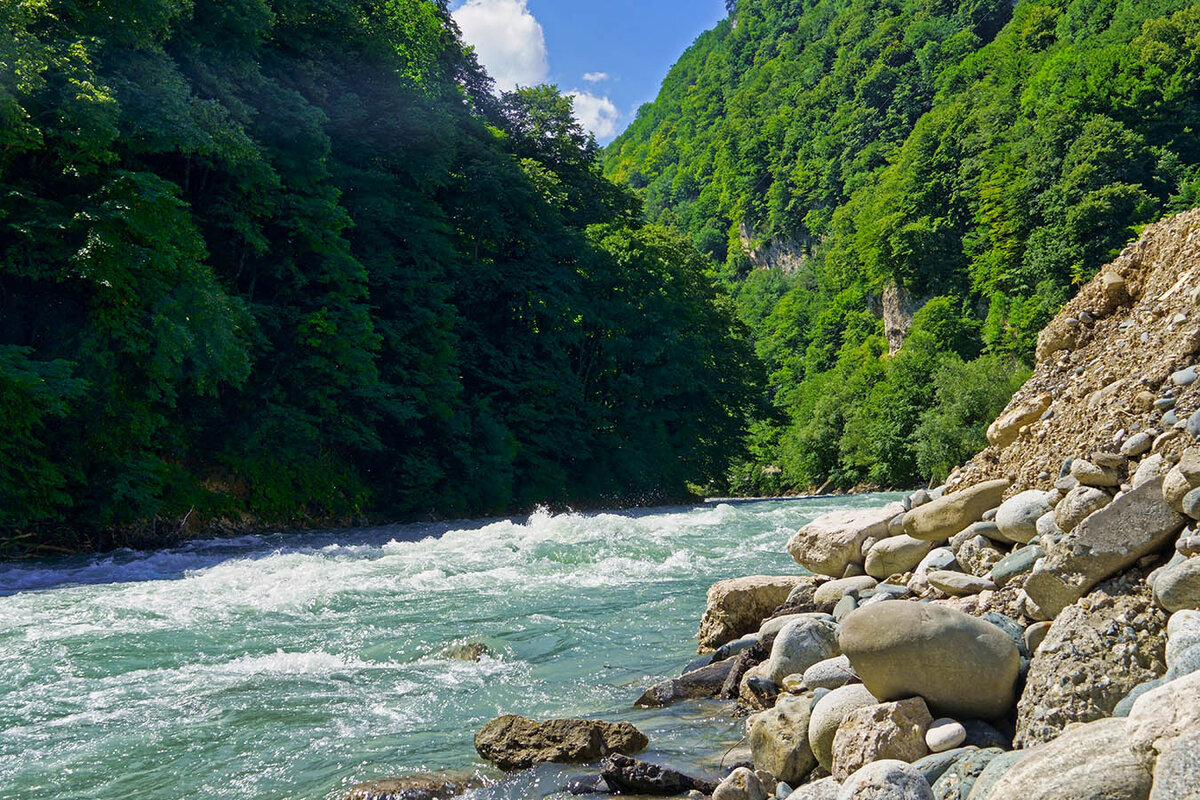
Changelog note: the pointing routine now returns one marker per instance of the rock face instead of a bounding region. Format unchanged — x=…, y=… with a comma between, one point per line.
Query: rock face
x=737, y=606
x=414, y=787
x=832, y=541
x=886, y=780
x=779, y=739
x=630, y=776
x=950, y=513
x=1086, y=763
x=827, y=716
x=962, y=666
x=895, y=555
x=800, y=645
x=513, y=742
x=1110, y=540
x=888, y=730
x=1090, y=659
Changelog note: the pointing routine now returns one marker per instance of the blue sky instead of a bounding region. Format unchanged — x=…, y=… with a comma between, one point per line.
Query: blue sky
x=612, y=55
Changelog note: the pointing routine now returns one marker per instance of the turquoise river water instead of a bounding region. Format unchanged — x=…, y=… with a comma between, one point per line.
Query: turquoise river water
x=294, y=666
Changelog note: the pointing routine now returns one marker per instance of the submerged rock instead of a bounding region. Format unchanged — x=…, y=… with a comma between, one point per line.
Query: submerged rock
x=703, y=682
x=513, y=742
x=427, y=786
x=630, y=776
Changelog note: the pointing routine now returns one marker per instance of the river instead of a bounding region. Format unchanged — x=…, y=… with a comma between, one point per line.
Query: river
x=296, y=665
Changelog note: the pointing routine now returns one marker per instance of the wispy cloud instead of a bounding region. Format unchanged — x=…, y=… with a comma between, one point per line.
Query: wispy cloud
x=597, y=114
x=508, y=40
x=595, y=77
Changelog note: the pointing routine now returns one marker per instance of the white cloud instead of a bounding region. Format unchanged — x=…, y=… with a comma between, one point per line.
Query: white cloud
x=595, y=77
x=508, y=40
x=597, y=114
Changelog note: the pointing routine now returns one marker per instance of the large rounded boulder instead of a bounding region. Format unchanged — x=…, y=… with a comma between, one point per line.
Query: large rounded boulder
x=962, y=666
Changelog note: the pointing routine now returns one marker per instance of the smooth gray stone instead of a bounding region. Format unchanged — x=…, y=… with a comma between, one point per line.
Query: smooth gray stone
x=1184, y=377
x=1165, y=404
x=1193, y=424
x=993, y=772
x=1016, y=563
x=1191, y=503
x=934, y=765
x=1169, y=419
x=848, y=603
x=956, y=783
x=1122, y=708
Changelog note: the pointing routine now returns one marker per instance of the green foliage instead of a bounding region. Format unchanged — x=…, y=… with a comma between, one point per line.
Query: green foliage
x=295, y=260
x=982, y=159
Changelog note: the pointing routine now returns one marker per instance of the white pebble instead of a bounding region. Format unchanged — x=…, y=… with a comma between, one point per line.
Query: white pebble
x=945, y=734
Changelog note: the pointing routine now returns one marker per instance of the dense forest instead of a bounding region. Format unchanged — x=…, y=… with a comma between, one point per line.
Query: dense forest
x=293, y=260
x=974, y=161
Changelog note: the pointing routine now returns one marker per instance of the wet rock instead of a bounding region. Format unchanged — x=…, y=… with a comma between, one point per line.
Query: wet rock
x=895, y=555
x=1177, y=587
x=630, y=776
x=1018, y=515
x=828, y=714
x=1090, y=659
x=704, y=682
x=884, y=731
x=959, y=584
x=512, y=742
x=1107, y=542
x=471, y=651
x=428, y=786
x=1085, y=763
x=800, y=645
x=944, y=734
x=942, y=518
x=738, y=606
x=962, y=666
x=779, y=739
x=1078, y=505
x=832, y=541
x=742, y=784
x=886, y=780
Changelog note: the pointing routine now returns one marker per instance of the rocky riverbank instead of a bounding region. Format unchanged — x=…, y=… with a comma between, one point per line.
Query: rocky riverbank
x=1031, y=629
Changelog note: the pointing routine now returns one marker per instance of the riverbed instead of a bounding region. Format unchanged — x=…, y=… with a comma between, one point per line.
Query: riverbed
x=296, y=665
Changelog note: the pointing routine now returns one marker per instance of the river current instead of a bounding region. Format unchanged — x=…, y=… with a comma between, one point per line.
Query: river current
x=294, y=666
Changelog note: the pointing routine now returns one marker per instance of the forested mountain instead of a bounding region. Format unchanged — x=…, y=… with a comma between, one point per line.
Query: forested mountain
x=288, y=259
x=854, y=160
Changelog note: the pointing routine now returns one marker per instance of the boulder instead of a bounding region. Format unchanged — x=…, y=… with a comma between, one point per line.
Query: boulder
x=1078, y=504
x=1087, y=762
x=742, y=784
x=1182, y=478
x=824, y=789
x=771, y=627
x=427, y=786
x=942, y=518
x=832, y=673
x=832, y=541
x=895, y=555
x=962, y=666
x=957, y=782
x=704, y=682
x=959, y=584
x=827, y=716
x=886, y=780
x=1007, y=427
x=1178, y=586
x=800, y=645
x=627, y=775
x=1092, y=656
x=1018, y=515
x=1177, y=770
x=779, y=739
x=512, y=742
x=832, y=591
x=945, y=734
x=738, y=606
x=1161, y=716
x=1109, y=541
x=884, y=731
